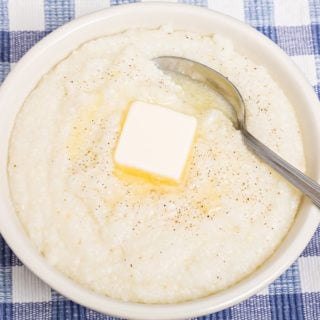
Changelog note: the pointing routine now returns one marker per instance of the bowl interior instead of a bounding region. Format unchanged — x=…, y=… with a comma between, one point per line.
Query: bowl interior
x=60, y=43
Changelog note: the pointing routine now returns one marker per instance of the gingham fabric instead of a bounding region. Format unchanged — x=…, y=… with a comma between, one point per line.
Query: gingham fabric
x=295, y=26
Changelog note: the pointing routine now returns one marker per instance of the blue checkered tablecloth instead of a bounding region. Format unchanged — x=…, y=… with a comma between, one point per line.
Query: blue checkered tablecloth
x=295, y=26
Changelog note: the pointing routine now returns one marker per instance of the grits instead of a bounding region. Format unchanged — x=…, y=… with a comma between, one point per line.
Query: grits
x=122, y=235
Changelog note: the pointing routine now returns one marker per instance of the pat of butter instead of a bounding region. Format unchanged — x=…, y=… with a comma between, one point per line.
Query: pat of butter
x=155, y=140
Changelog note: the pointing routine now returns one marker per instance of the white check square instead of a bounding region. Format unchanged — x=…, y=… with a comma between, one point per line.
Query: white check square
x=26, y=287
x=26, y=15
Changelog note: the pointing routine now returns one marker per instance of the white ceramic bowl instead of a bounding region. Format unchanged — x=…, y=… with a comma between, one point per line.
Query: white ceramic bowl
x=61, y=42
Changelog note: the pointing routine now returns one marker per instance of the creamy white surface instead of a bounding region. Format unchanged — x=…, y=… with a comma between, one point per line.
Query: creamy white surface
x=126, y=237
x=155, y=141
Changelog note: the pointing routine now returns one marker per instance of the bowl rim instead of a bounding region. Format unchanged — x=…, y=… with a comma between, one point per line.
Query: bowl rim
x=11, y=232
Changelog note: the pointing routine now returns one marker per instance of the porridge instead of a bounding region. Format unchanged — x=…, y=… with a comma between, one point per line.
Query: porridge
x=130, y=237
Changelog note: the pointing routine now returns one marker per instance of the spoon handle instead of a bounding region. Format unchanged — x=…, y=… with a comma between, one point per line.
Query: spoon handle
x=305, y=184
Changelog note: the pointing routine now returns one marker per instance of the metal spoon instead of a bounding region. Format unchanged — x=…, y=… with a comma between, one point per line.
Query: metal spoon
x=222, y=85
